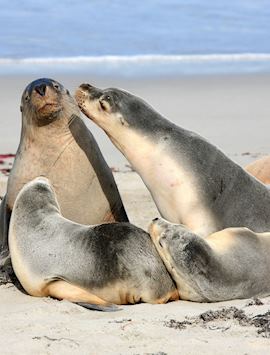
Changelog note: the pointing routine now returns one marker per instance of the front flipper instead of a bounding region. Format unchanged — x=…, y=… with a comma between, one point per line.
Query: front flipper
x=5, y=264
x=63, y=290
x=95, y=307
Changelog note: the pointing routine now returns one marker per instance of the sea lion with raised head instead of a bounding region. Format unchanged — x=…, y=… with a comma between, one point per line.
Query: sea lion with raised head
x=101, y=264
x=229, y=264
x=191, y=181
x=56, y=143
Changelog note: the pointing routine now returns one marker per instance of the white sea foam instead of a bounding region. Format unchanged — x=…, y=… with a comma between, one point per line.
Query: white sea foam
x=140, y=59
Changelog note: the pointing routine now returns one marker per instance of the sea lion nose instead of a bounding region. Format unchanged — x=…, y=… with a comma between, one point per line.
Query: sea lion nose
x=86, y=86
x=40, y=89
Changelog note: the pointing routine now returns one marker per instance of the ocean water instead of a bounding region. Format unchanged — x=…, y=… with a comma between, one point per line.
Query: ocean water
x=130, y=37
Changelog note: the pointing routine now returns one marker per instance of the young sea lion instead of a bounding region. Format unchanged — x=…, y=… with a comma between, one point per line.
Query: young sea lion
x=229, y=264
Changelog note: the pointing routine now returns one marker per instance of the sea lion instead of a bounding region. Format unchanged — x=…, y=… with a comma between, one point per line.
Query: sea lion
x=191, y=181
x=101, y=264
x=56, y=143
x=229, y=264
x=260, y=169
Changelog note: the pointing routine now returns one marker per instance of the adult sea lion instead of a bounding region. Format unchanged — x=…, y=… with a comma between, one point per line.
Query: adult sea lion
x=260, y=169
x=191, y=181
x=56, y=143
x=101, y=264
x=229, y=264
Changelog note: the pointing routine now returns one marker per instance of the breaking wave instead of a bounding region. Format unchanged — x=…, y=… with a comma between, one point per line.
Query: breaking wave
x=141, y=59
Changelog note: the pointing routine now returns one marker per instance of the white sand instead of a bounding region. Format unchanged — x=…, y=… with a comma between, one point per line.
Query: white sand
x=44, y=326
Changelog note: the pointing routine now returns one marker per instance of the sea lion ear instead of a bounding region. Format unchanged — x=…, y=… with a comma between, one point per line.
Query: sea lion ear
x=21, y=108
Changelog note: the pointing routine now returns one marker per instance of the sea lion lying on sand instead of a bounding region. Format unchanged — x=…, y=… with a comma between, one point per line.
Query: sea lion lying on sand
x=101, y=264
x=229, y=264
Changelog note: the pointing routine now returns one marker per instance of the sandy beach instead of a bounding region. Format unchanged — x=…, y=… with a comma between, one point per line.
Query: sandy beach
x=233, y=113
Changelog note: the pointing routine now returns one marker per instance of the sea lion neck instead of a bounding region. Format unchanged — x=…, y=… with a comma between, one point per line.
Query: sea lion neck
x=55, y=131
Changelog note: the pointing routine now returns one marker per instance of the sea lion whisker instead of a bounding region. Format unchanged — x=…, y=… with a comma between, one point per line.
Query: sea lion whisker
x=72, y=118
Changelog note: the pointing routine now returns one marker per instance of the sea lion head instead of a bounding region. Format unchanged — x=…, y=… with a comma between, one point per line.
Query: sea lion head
x=44, y=100
x=187, y=257
x=176, y=244
x=167, y=236
x=35, y=195
x=114, y=109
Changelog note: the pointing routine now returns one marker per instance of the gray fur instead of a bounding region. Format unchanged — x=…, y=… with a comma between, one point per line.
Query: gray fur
x=232, y=196
x=92, y=257
x=209, y=272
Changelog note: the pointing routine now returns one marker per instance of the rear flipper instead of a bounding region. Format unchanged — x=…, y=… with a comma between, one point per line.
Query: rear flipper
x=63, y=290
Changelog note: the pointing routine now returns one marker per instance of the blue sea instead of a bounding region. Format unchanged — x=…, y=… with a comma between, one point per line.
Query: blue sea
x=133, y=38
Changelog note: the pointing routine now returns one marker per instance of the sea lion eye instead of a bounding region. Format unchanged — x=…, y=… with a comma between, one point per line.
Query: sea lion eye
x=68, y=93
x=162, y=241
x=26, y=98
x=56, y=86
x=104, y=104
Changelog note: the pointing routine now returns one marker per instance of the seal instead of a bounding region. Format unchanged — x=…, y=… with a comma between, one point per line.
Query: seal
x=191, y=181
x=260, y=169
x=229, y=264
x=56, y=143
x=101, y=264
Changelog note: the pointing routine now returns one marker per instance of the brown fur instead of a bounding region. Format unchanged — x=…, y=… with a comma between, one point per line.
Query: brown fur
x=260, y=169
